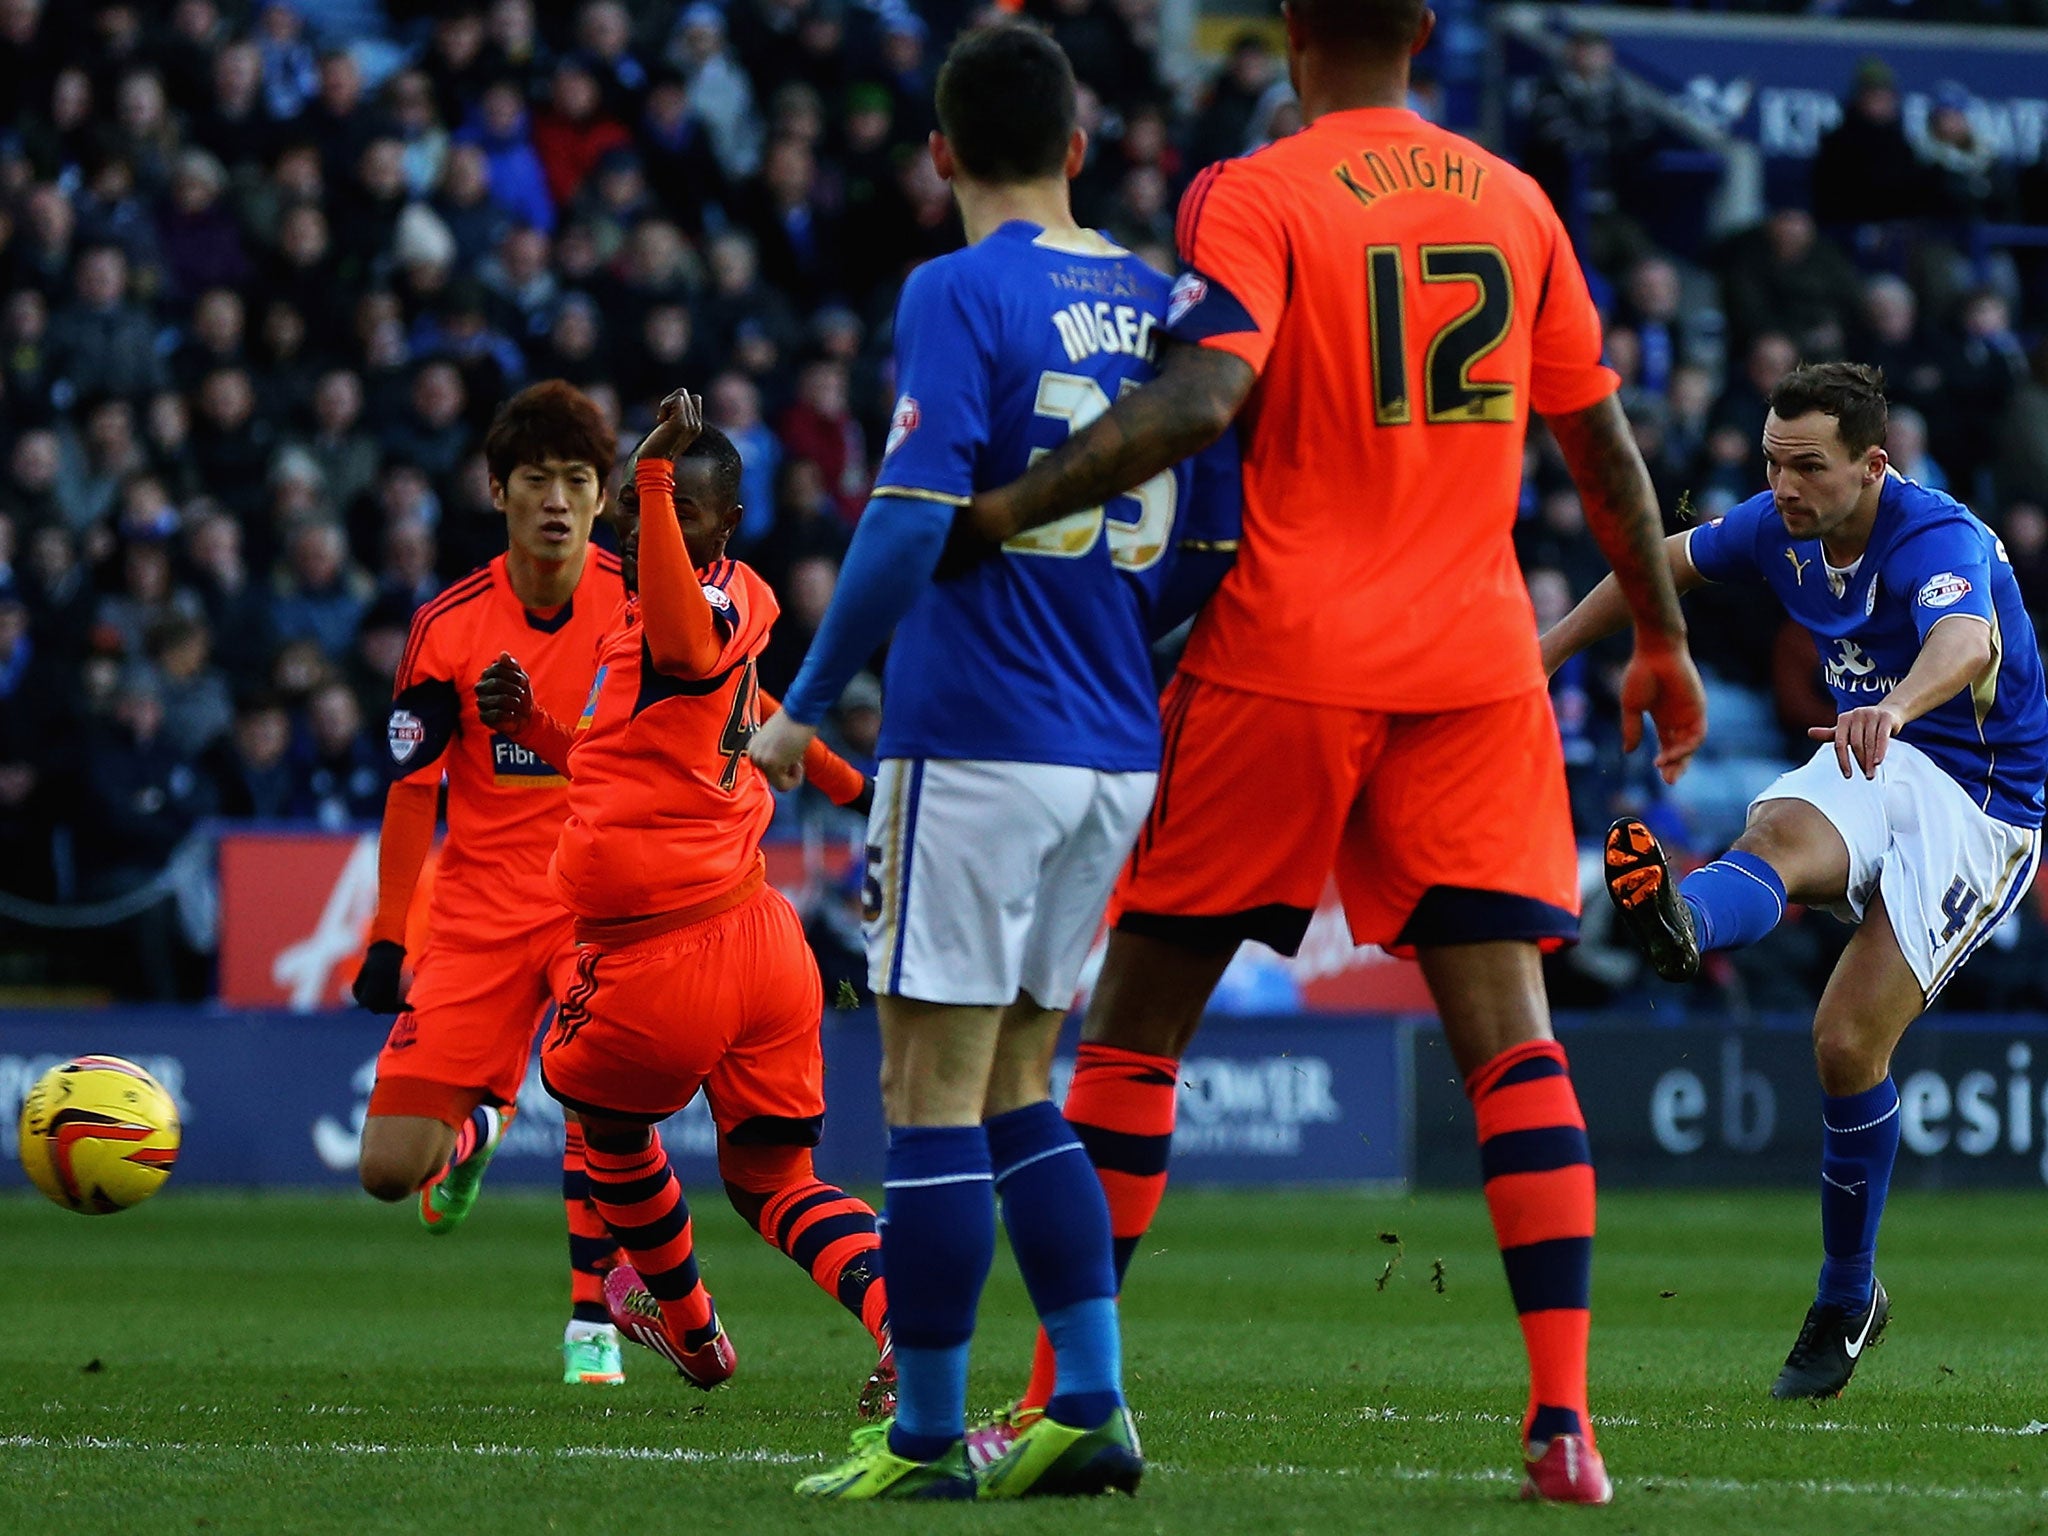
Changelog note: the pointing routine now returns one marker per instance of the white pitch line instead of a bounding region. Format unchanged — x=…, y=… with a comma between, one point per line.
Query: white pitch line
x=684, y=1454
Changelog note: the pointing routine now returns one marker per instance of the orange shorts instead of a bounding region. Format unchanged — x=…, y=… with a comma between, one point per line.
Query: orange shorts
x=1451, y=828
x=731, y=1004
x=466, y=1033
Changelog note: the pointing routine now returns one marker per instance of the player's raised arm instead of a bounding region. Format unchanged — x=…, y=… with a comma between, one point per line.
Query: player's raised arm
x=1186, y=408
x=682, y=635
x=1621, y=509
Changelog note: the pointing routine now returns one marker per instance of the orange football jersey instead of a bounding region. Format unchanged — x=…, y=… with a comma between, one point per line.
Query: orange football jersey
x=665, y=810
x=505, y=805
x=1407, y=299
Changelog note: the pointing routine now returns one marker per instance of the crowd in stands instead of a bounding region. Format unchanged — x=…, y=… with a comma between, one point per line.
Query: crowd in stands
x=268, y=266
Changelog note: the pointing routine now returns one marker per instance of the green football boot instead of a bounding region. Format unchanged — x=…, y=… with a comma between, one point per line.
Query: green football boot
x=873, y=1471
x=1053, y=1459
x=593, y=1360
x=447, y=1201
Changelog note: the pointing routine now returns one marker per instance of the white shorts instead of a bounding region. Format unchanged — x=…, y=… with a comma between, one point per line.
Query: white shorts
x=1949, y=873
x=988, y=879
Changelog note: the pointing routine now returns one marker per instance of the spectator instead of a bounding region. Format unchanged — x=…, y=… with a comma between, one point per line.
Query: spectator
x=198, y=236
x=148, y=595
x=1982, y=371
x=733, y=405
x=1905, y=445
x=676, y=151
x=303, y=274
x=464, y=202
x=61, y=147
x=719, y=89
x=796, y=235
x=1588, y=140
x=523, y=283
x=145, y=137
x=2023, y=436
x=459, y=64
x=807, y=592
x=29, y=498
x=101, y=344
x=339, y=778
x=42, y=254
x=319, y=596
x=139, y=798
x=231, y=444
x=197, y=709
x=739, y=297
x=820, y=427
x=1225, y=119
x=95, y=469
x=1747, y=400
x=575, y=131
x=1890, y=339
x=286, y=372
x=375, y=199
x=232, y=123
x=514, y=49
x=237, y=614
x=407, y=575
x=604, y=34
x=1967, y=178
x=416, y=124
x=2025, y=536
x=253, y=773
x=1865, y=169
x=571, y=350
x=434, y=434
x=26, y=379
x=666, y=356
x=291, y=72
x=380, y=650
x=215, y=340
x=1783, y=276
x=34, y=724
x=339, y=121
x=518, y=181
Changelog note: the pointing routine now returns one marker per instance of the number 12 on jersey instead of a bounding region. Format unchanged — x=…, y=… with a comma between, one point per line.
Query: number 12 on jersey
x=1449, y=393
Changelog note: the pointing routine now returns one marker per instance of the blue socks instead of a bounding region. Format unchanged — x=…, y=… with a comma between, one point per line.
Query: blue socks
x=1860, y=1143
x=938, y=1240
x=1058, y=1221
x=1735, y=900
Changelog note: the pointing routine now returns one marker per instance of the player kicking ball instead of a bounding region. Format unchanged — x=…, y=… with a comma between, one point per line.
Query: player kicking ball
x=1020, y=745
x=691, y=970
x=499, y=948
x=1918, y=818
x=1379, y=306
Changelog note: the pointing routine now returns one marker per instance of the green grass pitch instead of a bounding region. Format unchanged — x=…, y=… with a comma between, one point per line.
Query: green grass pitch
x=305, y=1364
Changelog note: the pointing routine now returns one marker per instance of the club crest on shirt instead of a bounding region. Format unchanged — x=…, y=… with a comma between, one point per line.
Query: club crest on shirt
x=404, y=734
x=1943, y=591
x=717, y=599
x=1188, y=291
x=902, y=422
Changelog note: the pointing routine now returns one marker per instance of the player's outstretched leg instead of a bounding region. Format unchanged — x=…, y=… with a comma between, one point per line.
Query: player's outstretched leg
x=1538, y=1173
x=446, y=1201
x=938, y=1242
x=590, y=1344
x=1058, y=1221
x=657, y=1298
x=1734, y=901
x=828, y=1234
x=1870, y=999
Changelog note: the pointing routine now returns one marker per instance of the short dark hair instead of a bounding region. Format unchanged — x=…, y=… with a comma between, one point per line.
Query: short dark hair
x=1852, y=393
x=715, y=449
x=1379, y=26
x=1007, y=104
x=549, y=420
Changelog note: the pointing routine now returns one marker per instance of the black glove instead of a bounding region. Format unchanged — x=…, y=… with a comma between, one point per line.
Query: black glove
x=376, y=986
x=865, y=800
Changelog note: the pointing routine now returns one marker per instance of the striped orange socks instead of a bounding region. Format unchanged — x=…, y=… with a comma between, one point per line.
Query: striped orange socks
x=831, y=1236
x=1539, y=1187
x=637, y=1195
x=1121, y=1105
x=591, y=1248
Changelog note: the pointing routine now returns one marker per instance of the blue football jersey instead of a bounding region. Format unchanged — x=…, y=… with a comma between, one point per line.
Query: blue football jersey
x=1928, y=557
x=1039, y=654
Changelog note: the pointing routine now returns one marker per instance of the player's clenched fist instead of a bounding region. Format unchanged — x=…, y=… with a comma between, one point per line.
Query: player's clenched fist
x=777, y=749
x=1663, y=681
x=377, y=985
x=679, y=422
x=504, y=697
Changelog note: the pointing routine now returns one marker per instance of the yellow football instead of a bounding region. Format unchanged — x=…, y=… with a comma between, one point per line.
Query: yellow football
x=98, y=1135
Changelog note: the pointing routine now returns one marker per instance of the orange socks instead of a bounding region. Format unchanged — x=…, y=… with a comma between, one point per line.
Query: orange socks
x=1539, y=1188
